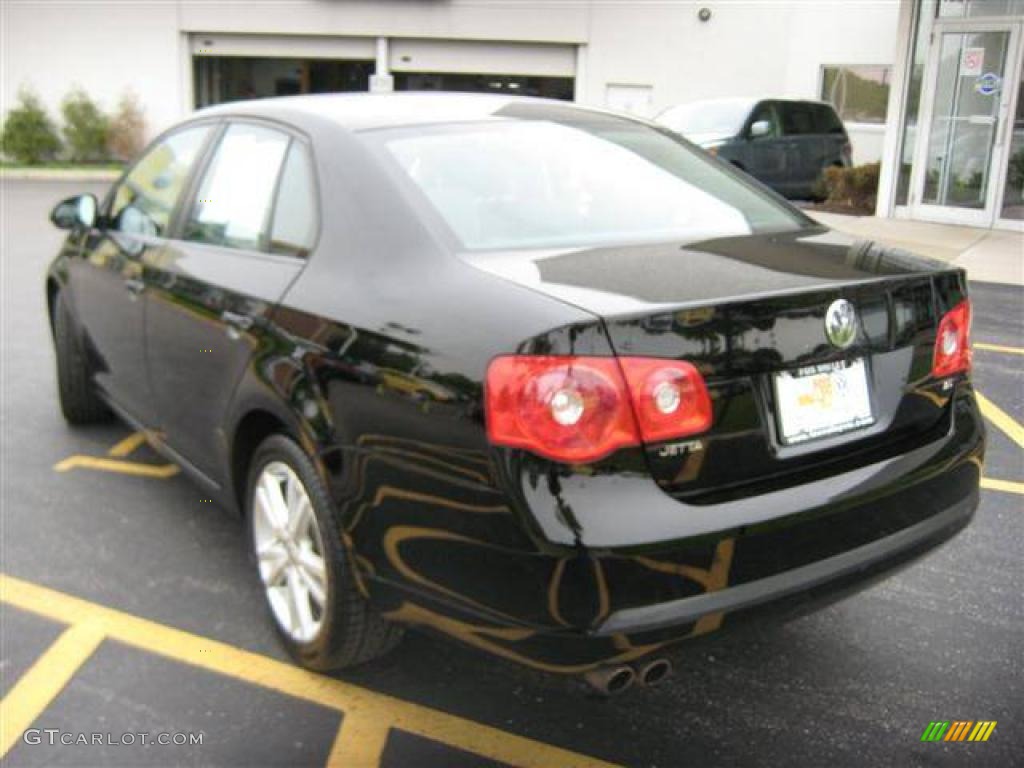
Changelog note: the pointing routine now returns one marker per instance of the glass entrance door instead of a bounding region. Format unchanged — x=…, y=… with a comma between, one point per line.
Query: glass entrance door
x=1011, y=204
x=961, y=161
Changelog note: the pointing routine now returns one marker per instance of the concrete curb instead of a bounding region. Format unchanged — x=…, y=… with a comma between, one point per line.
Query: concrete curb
x=58, y=174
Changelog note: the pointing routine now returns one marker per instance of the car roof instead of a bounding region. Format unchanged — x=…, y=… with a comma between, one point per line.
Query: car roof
x=368, y=111
x=745, y=100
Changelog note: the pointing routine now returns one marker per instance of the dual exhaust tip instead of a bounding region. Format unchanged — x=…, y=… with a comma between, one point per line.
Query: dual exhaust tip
x=618, y=678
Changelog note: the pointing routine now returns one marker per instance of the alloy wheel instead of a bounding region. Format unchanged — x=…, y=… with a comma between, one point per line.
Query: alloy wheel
x=290, y=552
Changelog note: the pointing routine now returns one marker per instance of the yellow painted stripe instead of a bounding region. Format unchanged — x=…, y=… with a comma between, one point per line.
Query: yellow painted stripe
x=269, y=673
x=987, y=732
x=45, y=680
x=360, y=742
x=1006, y=486
x=998, y=348
x=114, y=465
x=1001, y=419
x=128, y=445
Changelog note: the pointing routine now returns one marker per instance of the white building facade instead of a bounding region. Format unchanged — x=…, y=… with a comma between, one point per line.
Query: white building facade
x=632, y=55
x=930, y=87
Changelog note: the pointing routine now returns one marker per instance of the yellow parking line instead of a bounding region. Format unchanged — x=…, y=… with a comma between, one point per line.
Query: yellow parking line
x=292, y=681
x=126, y=446
x=1002, y=485
x=114, y=465
x=360, y=742
x=1001, y=419
x=45, y=679
x=998, y=348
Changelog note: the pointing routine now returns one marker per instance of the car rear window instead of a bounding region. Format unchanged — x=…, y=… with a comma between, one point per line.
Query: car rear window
x=594, y=179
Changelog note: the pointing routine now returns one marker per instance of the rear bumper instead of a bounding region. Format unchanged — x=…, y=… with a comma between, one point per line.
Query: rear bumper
x=820, y=580
x=566, y=609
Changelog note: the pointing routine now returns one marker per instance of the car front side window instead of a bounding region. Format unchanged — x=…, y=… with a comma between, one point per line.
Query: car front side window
x=234, y=200
x=144, y=200
x=797, y=119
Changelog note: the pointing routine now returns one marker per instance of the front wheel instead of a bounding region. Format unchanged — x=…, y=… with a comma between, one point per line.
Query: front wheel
x=303, y=566
x=78, y=399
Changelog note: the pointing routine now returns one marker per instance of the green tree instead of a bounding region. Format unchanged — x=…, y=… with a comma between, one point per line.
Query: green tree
x=85, y=128
x=29, y=135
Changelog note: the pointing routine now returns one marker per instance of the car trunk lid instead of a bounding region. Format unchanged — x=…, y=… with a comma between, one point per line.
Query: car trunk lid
x=749, y=312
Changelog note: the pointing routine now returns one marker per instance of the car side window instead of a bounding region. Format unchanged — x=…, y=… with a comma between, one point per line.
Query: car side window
x=232, y=205
x=766, y=112
x=295, y=209
x=826, y=120
x=144, y=200
x=797, y=119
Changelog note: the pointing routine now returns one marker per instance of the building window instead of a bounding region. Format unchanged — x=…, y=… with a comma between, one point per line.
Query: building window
x=859, y=93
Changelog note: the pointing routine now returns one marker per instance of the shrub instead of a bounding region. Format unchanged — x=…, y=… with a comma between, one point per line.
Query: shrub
x=855, y=187
x=29, y=136
x=85, y=128
x=126, y=134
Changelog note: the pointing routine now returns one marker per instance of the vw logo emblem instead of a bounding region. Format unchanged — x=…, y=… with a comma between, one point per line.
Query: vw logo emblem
x=841, y=323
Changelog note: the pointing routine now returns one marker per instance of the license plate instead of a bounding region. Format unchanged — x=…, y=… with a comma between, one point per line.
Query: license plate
x=822, y=400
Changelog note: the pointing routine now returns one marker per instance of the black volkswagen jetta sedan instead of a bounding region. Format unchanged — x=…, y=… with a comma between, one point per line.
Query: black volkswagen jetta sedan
x=546, y=379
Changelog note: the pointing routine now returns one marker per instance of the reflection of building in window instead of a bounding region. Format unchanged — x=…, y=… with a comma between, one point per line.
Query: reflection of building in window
x=859, y=93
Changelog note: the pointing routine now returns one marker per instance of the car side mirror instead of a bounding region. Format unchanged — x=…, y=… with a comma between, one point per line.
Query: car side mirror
x=75, y=212
x=760, y=128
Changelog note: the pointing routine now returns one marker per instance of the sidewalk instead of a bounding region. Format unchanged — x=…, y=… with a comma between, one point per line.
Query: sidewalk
x=59, y=174
x=991, y=256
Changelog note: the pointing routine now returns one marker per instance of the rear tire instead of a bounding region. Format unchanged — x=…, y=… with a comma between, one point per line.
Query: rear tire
x=78, y=399
x=347, y=630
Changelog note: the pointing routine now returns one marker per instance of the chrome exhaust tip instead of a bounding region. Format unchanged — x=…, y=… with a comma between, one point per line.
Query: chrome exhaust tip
x=655, y=672
x=612, y=680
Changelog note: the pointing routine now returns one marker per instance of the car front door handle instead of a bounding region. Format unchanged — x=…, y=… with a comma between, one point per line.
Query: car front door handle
x=236, y=322
x=134, y=286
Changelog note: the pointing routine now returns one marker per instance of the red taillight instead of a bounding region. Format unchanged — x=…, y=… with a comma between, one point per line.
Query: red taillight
x=580, y=409
x=669, y=396
x=953, y=342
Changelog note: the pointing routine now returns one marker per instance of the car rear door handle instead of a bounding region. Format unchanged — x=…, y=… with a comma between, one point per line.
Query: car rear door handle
x=236, y=321
x=134, y=286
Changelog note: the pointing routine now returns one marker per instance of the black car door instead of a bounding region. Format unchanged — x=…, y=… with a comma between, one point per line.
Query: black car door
x=241, y=241
x=106, y=282
x=766, y=152
x=805, y=146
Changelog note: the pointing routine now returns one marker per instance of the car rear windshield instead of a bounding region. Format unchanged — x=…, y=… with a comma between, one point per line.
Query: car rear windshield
x=511, y=184
x=724, y=118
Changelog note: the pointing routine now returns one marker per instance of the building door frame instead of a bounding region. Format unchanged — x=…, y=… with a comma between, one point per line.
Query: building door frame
x=986, y=216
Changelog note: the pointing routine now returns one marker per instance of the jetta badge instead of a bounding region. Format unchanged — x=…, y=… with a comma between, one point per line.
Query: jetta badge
x=841, y=323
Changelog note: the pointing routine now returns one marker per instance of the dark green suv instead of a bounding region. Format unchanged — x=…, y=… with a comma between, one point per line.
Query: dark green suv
x=783, y=143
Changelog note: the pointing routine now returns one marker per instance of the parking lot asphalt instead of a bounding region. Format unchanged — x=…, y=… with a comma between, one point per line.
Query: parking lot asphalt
x=128, y=605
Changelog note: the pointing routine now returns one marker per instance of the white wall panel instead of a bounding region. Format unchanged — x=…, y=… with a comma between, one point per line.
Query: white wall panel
x=284, y=46
x=476, y=57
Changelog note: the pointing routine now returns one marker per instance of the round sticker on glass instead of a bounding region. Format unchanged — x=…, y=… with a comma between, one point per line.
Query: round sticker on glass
x=987, y=84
